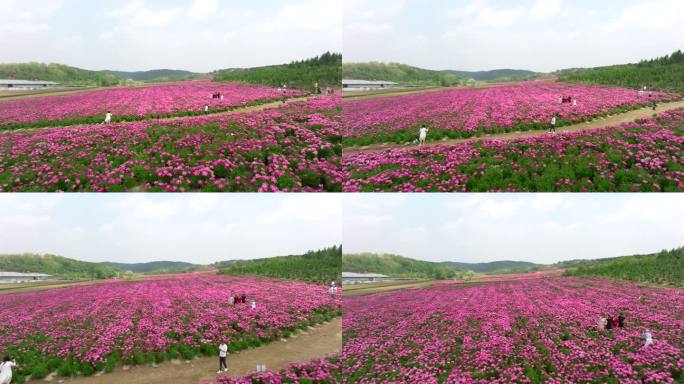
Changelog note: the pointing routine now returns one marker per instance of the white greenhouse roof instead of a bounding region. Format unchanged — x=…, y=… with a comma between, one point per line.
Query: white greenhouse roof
x=367, y=82
x=20, y=274
x=26, y=82
x=353, y=274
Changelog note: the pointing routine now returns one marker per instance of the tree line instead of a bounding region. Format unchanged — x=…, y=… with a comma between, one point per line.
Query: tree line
x=326, y=70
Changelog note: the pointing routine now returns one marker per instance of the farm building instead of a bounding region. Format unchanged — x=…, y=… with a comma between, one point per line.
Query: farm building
x=360, y=278
x=18, y=277
x=366, y=85
x=26, y=85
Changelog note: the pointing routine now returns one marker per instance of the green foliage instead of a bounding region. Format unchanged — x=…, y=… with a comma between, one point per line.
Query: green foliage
x=399, y=73
x=56, y=266
x=326, y=70
x=321, y=266
x=394, y=265
x=503, y=266
x=58, y=73
x=497, y=75
x=155, y=75
x=662, y=74
x=665, y=267
x=155, y=267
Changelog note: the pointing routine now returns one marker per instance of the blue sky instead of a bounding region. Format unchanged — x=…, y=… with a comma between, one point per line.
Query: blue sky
x=198, y=35
x=197, y=228
x=543, y=228
x=540, y=35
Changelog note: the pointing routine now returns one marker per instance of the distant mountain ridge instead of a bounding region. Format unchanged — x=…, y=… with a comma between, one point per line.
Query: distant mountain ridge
x=496, y=74
x=155, y=74
x=494, y=266
x=154, y=266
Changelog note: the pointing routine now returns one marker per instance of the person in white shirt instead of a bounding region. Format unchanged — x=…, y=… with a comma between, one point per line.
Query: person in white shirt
x=206, y=108
x=423, y=135
x=648, y=338
x=231, y=300
x=6, y=370
x=253, y=304
x=574, y=102
x=552, y=128
x=108, y=117
x=223, y=352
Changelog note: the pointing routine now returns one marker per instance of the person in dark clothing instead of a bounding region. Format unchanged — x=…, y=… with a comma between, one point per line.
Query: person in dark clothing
x=244, y=298
x=621, y=321
x=237, y=299
x=615, y=322
x=609, y=323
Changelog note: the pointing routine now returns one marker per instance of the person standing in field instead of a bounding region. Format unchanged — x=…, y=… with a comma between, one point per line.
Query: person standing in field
x=223, y=353
x=6, y=370
x=108, y=117
x=621, y=321
x=243, y=299
x=206, y=108
x=253, y=305
x=422, y=135
x=609, y=323
x=574, y=102
x=602, y=323
x=648, y=338
x=552, y=128
x=231, y=300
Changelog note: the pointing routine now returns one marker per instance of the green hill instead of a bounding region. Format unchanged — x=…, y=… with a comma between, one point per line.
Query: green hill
x=56, y=266
x=395, y=265
x=399, y=73
x=504, y=266
x=495, y=75
x=156, y=75
x=57, y=72
x=665, y=267
x=324, y=69
x=321, y=267
x=155, y=267
x=664, y=74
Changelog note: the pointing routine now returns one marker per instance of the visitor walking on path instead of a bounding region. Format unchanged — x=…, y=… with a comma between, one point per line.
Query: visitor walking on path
x=108, y=117
x=223, y=353
x=6, y=370
x=422, y=135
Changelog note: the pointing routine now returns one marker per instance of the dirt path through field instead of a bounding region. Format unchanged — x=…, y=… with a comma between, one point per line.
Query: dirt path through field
x=316, y=342
x=594, y=124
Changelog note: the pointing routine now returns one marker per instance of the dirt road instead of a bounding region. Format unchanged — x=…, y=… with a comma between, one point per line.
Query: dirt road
x=594, y=124
x=316, y=342
x=371, y=288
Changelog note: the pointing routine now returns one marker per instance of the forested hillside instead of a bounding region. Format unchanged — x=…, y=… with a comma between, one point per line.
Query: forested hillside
x=326, y=70
x=399, y=73
x=395, y=265
x=663, y=74
x=665, y=267
x=56, y=266
x=58, y=73
x=321, y=266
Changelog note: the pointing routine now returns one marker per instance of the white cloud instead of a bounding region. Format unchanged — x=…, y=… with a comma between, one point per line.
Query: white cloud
x=545, y=9
x=203, y=9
